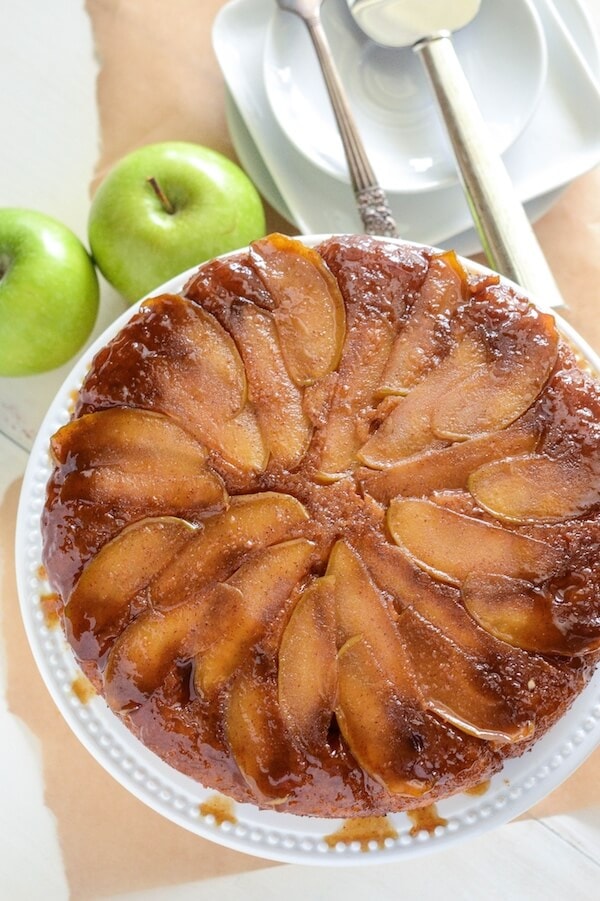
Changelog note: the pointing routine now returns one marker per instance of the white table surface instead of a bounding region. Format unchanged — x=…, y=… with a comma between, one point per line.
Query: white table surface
x=47, y=157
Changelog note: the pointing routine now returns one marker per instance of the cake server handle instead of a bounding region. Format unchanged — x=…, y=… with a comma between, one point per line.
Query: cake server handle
x=501, y=222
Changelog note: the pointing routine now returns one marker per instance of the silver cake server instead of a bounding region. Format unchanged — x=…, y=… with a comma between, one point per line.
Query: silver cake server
x=501, y=222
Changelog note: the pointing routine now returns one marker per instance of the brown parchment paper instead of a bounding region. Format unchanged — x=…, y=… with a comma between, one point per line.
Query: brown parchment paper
x=111, y=842
x=159, y=80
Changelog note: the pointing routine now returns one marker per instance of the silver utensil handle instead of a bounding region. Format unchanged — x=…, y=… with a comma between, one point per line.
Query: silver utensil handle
x=371, y=201
x=501, y=222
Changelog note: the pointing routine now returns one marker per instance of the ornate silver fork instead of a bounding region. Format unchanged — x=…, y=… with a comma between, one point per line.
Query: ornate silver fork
x=371, y=201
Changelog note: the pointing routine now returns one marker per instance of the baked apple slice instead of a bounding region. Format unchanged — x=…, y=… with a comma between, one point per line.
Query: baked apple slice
x=361, y=609
x=206, y=355
x=522, y=615
x=536, y=488
x=501, y=391
x=278, y=401
x=241, y=610
x=158, y=640
x=148, y=650
x=100, y=602
x=379, y=720
x=308, y=307
x=250, y=522
x=367, y=347
x=376, y=695
x=134, y=459
x=447, y=467
x=477, y=683
x=434, y=674
x=408, y=428
x=398, y=742
x=203, y=385
x=380, y=708
x=450, y=545
x=399, y=578
x=419, y=341
x=257, y=735
x=307, y=677
x=463, y=690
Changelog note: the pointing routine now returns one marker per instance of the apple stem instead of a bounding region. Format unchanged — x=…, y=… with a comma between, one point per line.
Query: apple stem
x=4, y=265
x=166, y=203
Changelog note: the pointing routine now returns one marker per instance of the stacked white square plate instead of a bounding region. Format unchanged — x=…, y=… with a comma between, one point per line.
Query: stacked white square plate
x=533, y=66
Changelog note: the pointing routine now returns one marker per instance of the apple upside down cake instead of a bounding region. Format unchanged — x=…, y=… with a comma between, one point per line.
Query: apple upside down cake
x=326, y=525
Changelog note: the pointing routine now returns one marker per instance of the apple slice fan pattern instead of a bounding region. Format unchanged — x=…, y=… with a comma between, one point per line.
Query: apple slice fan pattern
x=326, y=526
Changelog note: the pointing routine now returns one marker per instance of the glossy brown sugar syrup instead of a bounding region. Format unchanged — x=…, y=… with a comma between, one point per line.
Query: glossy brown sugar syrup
x=415, y=700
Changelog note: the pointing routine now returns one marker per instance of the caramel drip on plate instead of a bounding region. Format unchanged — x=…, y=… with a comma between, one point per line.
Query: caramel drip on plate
x=425, y=819
x=52, y=606
x=73, y=398
x=220, y=807
x=42, y=573
x=364, y=830
x=82, y=688
x=478, y=790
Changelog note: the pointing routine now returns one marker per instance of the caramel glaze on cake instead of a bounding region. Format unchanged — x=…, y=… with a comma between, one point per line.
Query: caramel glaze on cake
x=326, y=527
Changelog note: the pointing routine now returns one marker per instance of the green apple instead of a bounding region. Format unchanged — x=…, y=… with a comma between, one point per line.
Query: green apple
x=167, y=207
x=48, y=292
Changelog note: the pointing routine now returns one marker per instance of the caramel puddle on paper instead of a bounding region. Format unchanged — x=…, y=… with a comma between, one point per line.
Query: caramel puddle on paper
x=83, y=799
x=425, y=819
x=363, y=830
x=82, y=688
x=478, y=790
x=220, y=807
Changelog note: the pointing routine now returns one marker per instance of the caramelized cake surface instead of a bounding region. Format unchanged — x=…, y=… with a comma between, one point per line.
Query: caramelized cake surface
x=326, y=527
